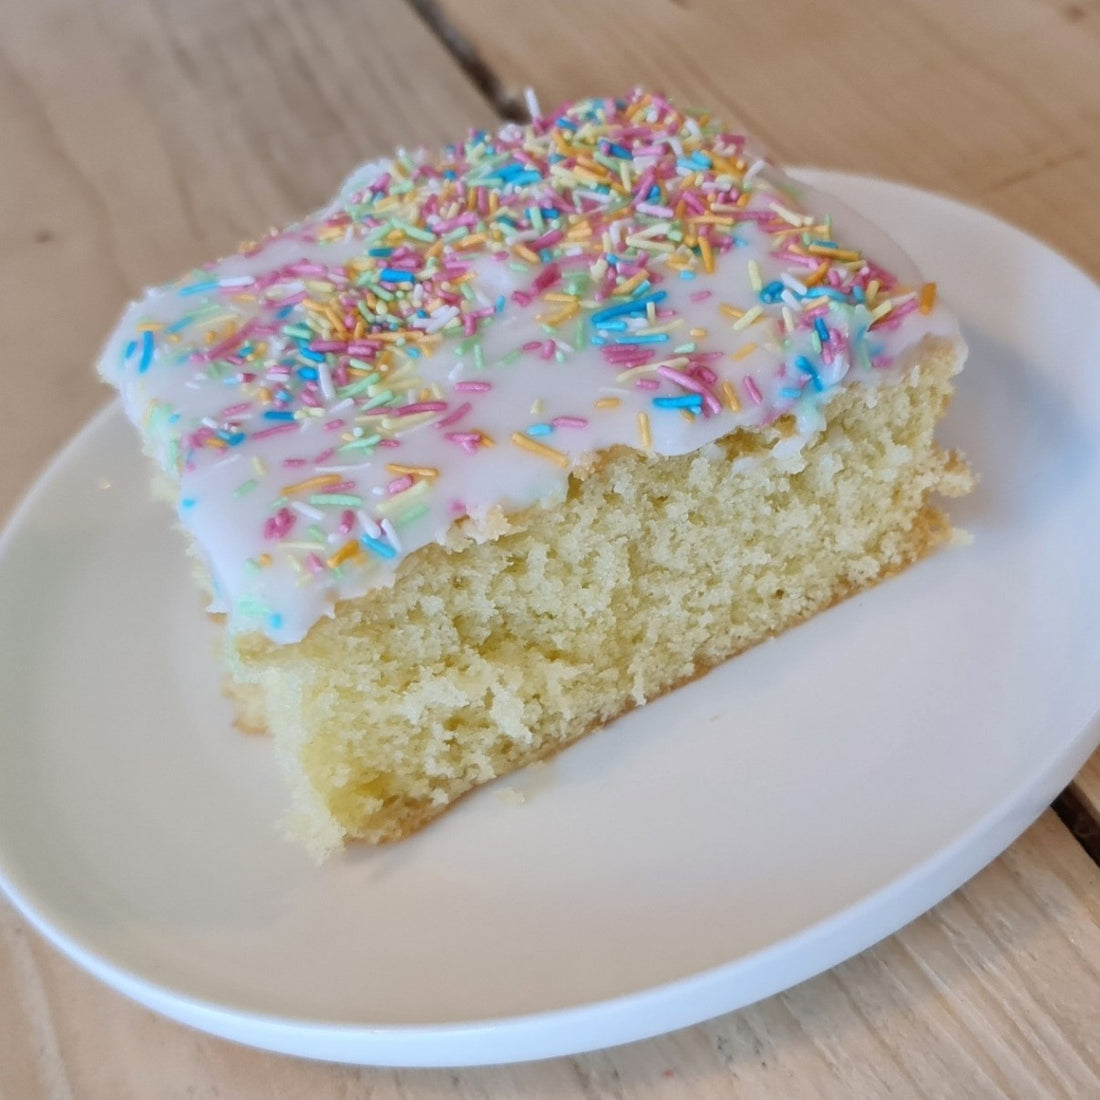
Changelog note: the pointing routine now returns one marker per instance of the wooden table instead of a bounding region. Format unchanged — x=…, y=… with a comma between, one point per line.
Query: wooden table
x=140, y=137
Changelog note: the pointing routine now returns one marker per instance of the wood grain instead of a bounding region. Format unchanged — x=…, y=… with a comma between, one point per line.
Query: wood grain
x=143, y=136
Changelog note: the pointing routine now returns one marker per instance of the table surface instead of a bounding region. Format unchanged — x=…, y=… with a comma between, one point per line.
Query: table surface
x=141, y=137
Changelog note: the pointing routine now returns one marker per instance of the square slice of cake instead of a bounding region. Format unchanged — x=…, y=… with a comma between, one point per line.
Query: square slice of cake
x=511, y=438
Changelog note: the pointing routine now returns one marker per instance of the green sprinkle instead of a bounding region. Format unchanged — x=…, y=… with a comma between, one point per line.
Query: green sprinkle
x=410, y=515
x=245, y=487
x=336, y=500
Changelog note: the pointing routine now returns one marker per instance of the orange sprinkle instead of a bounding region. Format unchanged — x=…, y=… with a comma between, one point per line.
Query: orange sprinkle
x=730, y=395
x=744, y=351
x=321, y=481
x=526, y=443
x=264, y=560
x=608, y=403
x=525, y=253
x=732, y=312
x=645, y=436
x=416, y=471
x=348, y=550
x=819, y=273
x=708, y=255
x=842, y=254
x=927, y=297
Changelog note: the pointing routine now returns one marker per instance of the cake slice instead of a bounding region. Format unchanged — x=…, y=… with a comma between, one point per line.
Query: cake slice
x=512, y=438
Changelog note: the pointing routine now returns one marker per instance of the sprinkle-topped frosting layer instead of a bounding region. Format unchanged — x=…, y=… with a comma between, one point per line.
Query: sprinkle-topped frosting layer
x=456, y=331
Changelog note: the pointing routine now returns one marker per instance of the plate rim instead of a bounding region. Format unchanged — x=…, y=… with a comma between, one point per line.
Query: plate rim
x=628, y=1017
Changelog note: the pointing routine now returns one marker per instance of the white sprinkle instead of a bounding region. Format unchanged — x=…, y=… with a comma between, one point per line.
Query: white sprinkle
x=369, y=525
x=307, y=510
x=324, y=376
x=391, y=534
x=532, y=102
x=796, y=285
x=237, y=280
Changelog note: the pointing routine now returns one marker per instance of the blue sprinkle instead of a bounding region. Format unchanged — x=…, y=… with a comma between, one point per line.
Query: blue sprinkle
x=685, y=274
x=381, y=252
x=530, y=176
x=311, y=355
x=146, y=351
x=234, y=439
x=643, y=338
x=858, y=293
x=308, y=373
x=788, y=391
x=412, y=351
x=393, y=275
x=275, y=621
x=284, y=313
x=686, y=401
x=821, y=330
x=614, y=326
x=278, y=414
x=129, y=350
x=382, y=549
x=566, y=124
x=806, y=367
x=198, y=288
x=635, y=305
x=187, y=502
x=826, y=292
x=540, y=429
x=619, y=151
x=701, y=159
x=772, y=292
x=654, y=194
x=501, y=303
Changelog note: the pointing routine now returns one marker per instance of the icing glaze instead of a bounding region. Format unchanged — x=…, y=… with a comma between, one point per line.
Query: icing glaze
x=453, y=333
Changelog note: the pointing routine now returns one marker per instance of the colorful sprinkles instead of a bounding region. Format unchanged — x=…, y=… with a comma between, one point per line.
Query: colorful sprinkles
x=630, y=236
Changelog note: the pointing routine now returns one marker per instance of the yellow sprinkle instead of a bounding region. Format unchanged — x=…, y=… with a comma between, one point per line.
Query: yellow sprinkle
x=687, y=415
x=536, y=407
x=842, y=254
x=558, y=296
x=730, y=395
x=744, y=351
x=321, y=481
x=486, y=440
x=927, y=297
x=258, y=466
x=697, y=333
x=645, y=437
x=754, y=276
x=526, y=443
x=751, y=317
x=712, y=219
x=708, y=255
x=415, y=471
x=789, y=216
x=732, y=312
x=398, y=501
x=608, y=403
x=264, y=560
x=627, y=288
x=474, y=240
x=561, y=316
x=348, y=550
x=525, y=253
x=881, y=310
x=150, y=326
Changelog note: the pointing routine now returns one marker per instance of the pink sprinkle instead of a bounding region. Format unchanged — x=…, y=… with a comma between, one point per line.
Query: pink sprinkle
x=278, y=429
x=333, y=425
x=294, y=463
x=473, y=387
x=454, y=417
x=363, y=347
x=328, y=345
x=569, y=422
x=389, y=443
x=647, y=384
x=700, y=295
x=347, y=521
x=547, y=351
x=419, y=407
x=231, y=411
x=692, y=385
x=546, y=240
x=532, y=345
x=279, y=525
x=753, y=390
x=521, y=298
x=706, y=375
x=314, y=563
x=546, y=278
x=458, y=508
x=399, y=485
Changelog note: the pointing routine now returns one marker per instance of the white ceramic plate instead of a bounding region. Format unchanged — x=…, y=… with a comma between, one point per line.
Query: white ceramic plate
x=754, y=828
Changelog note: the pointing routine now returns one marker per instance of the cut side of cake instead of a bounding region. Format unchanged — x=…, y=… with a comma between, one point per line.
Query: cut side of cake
x=512, y=438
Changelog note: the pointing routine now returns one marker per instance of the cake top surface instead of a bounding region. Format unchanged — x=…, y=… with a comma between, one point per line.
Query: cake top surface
x=456, y=331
